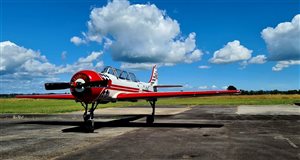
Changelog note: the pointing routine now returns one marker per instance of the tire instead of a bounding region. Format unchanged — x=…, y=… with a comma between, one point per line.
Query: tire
x=89, y=126
x=150, y=119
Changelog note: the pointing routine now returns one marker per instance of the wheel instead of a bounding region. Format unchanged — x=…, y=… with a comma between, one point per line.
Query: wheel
x=150, y=119
x=89, y=126
x=86, y=117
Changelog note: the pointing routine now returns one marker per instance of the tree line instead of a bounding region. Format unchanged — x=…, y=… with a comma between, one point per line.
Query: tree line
x=259, y=92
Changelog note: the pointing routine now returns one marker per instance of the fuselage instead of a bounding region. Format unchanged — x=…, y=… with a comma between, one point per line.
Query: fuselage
x=107, y=85
x=117, y=85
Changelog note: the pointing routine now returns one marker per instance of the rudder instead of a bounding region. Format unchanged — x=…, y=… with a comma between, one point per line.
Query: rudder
x=154, y=76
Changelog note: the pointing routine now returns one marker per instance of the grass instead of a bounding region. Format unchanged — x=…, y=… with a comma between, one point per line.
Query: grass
x=15, y=105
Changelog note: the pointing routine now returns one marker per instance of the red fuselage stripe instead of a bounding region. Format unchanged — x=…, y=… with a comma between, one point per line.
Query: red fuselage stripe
x=124, y=88
x=119, y=89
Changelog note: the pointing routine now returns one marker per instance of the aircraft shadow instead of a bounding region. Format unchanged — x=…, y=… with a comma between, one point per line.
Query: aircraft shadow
x=123, y=122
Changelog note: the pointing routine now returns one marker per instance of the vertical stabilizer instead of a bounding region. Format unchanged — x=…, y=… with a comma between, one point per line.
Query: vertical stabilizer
x=154, y=76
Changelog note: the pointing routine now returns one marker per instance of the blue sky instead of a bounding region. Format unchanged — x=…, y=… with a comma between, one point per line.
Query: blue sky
x=202, y=44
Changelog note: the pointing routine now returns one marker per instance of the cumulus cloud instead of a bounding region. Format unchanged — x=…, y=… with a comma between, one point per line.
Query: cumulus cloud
x=259, y=59
x=139, y=33
x=284, y=64
x=90, y=58
x=283, y=41
x=77, y=41
x=231, y=52
x=24, y=70
x=137, y=66
x=92, y=62
x=17, y=62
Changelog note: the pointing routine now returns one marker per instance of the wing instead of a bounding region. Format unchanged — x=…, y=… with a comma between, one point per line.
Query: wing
x=48, y=96
x=149, y=95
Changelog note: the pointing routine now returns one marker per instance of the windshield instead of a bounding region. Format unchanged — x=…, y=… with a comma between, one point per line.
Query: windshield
x=105, y=70
x=123, y=75
x=120, y=74
x=133, y=78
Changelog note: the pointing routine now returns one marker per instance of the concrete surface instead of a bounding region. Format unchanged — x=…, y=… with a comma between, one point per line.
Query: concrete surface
x=267, y=110
x=197, y=132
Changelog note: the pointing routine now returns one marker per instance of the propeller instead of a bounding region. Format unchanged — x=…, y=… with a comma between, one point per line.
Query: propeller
x=57, y=85
x=66, y=85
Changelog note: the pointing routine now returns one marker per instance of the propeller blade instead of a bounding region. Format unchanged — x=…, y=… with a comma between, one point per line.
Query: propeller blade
x=57, y=85
x=66, y=85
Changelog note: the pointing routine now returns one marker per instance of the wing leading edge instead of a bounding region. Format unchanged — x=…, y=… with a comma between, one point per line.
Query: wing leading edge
x=148, y=95
x=142, y=95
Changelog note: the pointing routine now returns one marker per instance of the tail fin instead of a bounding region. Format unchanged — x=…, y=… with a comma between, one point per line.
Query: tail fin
x=154, y=76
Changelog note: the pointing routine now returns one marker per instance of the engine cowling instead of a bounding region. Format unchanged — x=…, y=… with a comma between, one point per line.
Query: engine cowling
x=87, y=86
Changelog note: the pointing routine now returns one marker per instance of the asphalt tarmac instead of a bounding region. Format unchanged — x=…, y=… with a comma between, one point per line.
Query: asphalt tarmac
x=179, y=132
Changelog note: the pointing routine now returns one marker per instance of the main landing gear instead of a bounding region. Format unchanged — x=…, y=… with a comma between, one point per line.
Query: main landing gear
x=150, y=118
x=88, y=116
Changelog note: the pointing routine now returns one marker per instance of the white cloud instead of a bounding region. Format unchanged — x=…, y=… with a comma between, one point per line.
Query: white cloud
x=203, y=67
x=78, y=41
x=214, y=87
x=17, y=60
x=140, y=33
x=207, y=87
x=231, y=52
x=99, y=65
x=283, y=41
x=92, y=62
x=137, y=66
x=187, y=87
x=21, y=64
x=259, y=59
x=225, y=87
x=202, y=87
x=284, y=64
x=90, y=58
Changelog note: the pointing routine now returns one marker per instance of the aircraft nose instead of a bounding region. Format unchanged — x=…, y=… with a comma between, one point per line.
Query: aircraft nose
x=87, y=85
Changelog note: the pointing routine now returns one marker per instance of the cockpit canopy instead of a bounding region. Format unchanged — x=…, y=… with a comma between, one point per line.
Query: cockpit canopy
x=120, y=74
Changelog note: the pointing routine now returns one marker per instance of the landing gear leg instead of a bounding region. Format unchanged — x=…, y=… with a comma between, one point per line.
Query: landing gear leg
x=150, y=118
x=88, y=117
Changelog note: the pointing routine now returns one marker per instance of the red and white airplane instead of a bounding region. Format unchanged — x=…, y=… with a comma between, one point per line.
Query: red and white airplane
x=111, y=85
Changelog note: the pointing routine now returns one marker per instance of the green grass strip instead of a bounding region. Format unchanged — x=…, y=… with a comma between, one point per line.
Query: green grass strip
x=15, y=105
